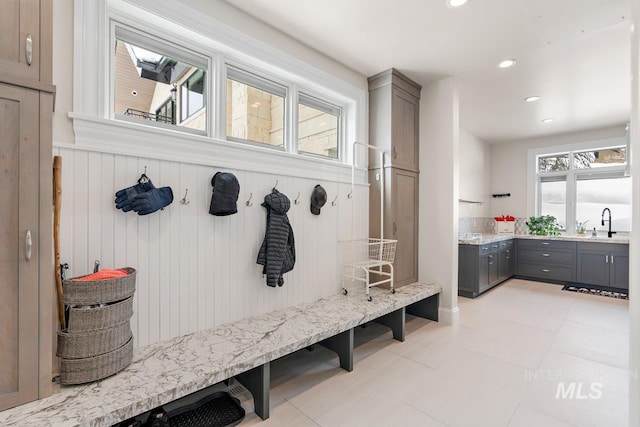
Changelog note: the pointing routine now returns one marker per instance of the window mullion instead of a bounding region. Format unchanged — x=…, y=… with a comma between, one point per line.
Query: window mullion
x=218, y=97
x=291, y=120
x=571, y=202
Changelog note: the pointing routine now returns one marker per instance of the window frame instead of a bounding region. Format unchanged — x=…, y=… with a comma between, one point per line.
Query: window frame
x=152, y=41
x=248, y=76
x=319, y=104
x=573, y=174
x=185, y=84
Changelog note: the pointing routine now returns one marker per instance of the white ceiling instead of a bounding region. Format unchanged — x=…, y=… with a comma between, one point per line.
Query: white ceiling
x=575, y=54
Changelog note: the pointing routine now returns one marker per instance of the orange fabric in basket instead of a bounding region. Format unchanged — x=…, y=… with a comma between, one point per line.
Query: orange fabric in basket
x=102, y=275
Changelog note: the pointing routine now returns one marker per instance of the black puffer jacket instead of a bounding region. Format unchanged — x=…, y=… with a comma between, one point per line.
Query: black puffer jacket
x=278, y=252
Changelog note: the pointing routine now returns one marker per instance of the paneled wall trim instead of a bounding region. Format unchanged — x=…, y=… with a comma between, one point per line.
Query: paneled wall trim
x=195, y=270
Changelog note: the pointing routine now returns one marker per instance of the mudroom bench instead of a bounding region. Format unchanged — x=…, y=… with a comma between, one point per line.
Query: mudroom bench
x=168, y=370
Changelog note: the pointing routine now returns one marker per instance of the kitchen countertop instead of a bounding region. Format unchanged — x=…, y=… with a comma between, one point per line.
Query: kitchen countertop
x=490, y=238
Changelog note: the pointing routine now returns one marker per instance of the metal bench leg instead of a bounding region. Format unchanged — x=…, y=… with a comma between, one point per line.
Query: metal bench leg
x=257, y=381
x=396, y=321
x=342, y=344
x=427, y=308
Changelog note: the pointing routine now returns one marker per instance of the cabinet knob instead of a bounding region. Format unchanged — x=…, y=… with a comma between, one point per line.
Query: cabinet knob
x=29, y=49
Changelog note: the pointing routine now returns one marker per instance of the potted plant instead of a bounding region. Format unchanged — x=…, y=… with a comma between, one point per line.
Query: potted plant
x=545, y=225
x=581, y=228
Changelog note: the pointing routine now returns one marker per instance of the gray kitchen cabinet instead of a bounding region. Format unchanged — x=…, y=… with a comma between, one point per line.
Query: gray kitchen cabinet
x=549, y=260
x=481, y=267
x=603, y=264
x=400, y=219
x=393, y=127
x=394, y=116
x=506, y=263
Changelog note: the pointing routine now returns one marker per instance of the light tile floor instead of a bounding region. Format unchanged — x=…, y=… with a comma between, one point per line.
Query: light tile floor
x=525, y=354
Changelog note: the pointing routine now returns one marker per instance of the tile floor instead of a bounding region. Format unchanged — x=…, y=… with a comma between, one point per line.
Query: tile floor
x=524, y=354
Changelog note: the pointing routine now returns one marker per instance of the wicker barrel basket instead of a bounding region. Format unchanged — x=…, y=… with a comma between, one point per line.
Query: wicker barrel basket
x=98, y=341
x=79, y=371
x=99, y=291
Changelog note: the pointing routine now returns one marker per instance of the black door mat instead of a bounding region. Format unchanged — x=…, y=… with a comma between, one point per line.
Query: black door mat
x=595, y=290
x=217, y=410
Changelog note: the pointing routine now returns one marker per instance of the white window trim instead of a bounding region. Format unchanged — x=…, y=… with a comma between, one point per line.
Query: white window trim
x=92, y=70
x=533, y=176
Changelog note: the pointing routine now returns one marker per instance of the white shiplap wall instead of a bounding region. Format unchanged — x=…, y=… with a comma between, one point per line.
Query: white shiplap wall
x=196, y=270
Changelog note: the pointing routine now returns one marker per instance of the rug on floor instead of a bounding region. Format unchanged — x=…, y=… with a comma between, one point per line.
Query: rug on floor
x=594, y=290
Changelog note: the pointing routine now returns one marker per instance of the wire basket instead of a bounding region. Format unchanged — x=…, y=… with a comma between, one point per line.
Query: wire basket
x=377, y=249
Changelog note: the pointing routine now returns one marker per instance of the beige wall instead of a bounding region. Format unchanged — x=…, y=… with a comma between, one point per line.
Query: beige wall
x=475, y=176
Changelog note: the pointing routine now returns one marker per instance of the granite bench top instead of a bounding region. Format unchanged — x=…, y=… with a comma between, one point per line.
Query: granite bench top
x=167, y=370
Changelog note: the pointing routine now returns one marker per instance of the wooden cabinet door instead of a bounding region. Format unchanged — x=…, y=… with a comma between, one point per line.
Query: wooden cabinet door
x=404, y=134
x=483, y=272
x=619, y=269
x=19, y=178
x=19, y=21
x=593, y=267
x=403, y=224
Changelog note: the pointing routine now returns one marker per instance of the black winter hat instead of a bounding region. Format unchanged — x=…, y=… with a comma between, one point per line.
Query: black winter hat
x=225, y=194
x=318, y=199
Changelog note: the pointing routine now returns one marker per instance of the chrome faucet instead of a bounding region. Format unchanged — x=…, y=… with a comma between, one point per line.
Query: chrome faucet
x=610, y=233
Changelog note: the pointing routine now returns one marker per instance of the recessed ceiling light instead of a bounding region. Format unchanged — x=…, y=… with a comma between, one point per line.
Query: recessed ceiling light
x=456, y=3
x=549, y=120
x=532, y=98
x=506, y=63
x=134, y=92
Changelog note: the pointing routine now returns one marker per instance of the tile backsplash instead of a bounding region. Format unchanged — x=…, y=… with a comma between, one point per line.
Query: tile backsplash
x=487, y=225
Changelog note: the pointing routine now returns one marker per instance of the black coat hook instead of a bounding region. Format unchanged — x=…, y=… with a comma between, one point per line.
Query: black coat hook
x=334, y=201
x=297, y=200
x=249, y=202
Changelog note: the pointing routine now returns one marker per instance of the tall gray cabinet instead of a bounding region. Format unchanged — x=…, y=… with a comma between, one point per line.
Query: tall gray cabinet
x=26, y=256
x=394, y=101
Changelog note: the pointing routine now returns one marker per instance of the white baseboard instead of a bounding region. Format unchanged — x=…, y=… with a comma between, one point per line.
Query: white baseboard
x=449, y=316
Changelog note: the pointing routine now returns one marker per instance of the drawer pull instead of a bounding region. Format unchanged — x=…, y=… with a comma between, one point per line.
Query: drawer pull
x=611, y=259
x=27, y=245
x=545, y=255
x=485, y=249
x=545, y=243
x=606, y=259
x=28, y=49
x=546, y=270
x=494, y=246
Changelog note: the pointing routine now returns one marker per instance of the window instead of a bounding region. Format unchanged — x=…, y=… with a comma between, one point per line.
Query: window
x=166, y=113
x=575, y=186
x=147, y=73
x=553, y=199
x=192, y=94
x=160, y=82
x=594, y=194
x=255, y=108
x=318, y=127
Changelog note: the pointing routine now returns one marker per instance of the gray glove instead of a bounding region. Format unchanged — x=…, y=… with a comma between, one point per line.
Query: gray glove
x=152, y=200
x=125, y=196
